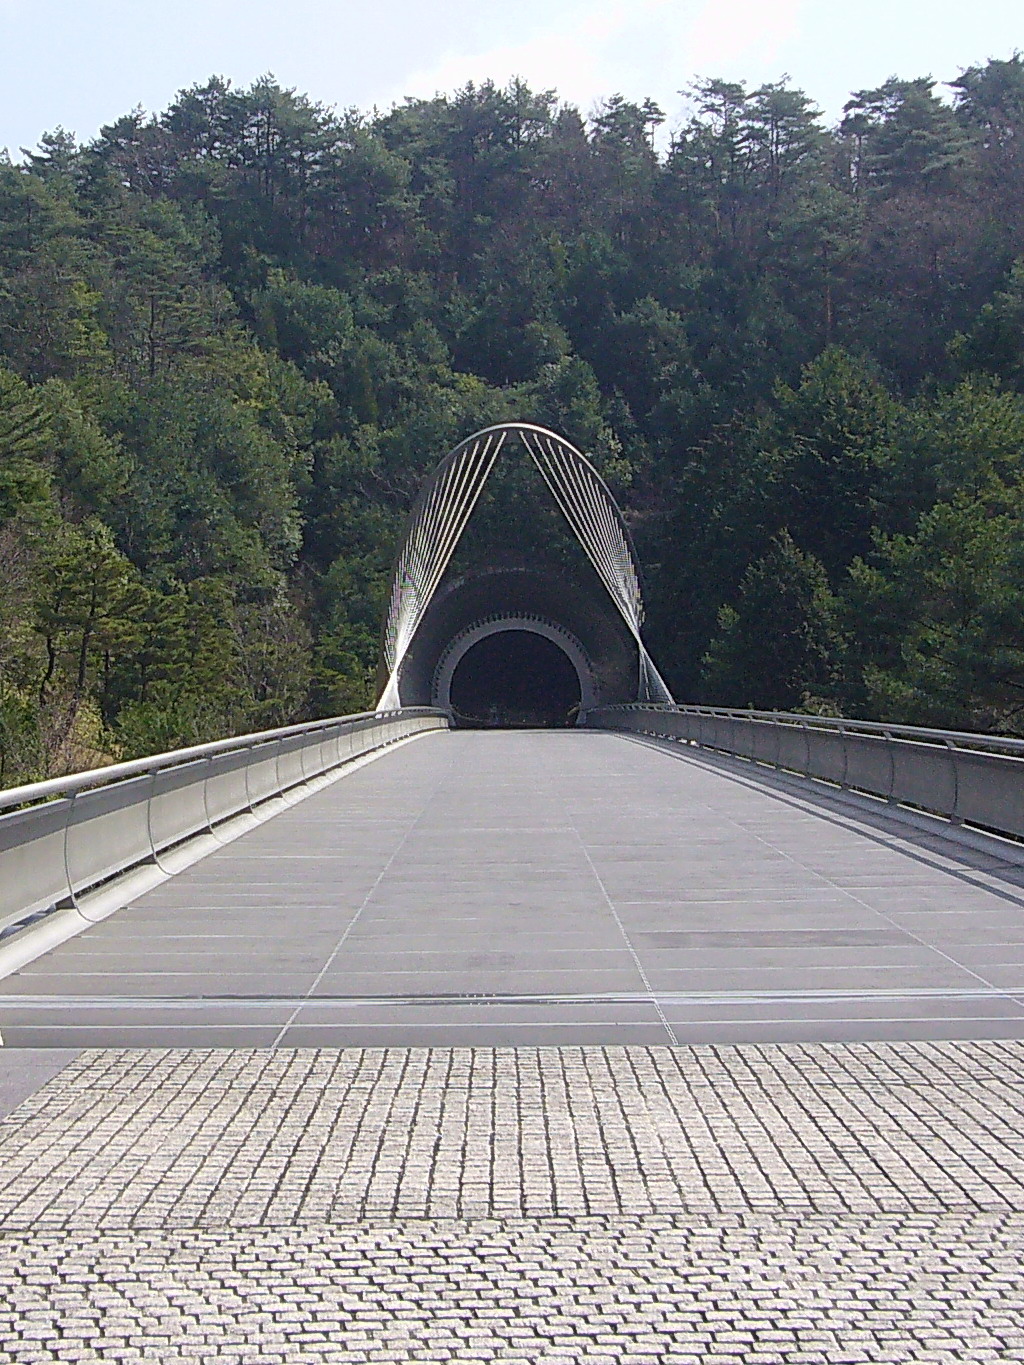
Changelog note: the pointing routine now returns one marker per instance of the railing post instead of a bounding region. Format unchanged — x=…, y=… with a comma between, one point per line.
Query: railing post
x=889, y=796
x=69, y=880
x=251, y=754
x=955, y=817
x=149, y=816
x=207, y=765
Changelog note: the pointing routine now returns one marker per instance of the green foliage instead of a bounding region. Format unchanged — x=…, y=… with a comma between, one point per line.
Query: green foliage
x=939, y=619
x=236, y=335
x=779, y=646
x=995, y=343
x=832, y=433
x=24, y=478
x=904, y=139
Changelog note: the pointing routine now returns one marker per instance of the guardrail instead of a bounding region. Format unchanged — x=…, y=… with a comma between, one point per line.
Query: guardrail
x=84, y=830
x=968, y=778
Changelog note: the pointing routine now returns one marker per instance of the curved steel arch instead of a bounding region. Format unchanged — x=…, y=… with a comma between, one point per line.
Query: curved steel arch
x=445, y=505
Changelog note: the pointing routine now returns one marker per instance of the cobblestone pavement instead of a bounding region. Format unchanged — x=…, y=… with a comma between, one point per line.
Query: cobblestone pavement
x=756, y=1204
x=623, y=1289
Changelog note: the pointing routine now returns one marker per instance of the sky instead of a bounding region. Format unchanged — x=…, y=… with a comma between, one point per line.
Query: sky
x=80, y=64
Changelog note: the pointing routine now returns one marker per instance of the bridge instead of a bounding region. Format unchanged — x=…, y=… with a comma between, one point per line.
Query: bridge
x=644, y=1031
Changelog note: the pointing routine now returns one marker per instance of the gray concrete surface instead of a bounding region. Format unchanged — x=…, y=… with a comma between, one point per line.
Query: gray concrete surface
x=549, y=887
x=24, y=1069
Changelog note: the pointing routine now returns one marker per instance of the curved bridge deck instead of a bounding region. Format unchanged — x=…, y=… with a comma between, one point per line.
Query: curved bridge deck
x=489, y=888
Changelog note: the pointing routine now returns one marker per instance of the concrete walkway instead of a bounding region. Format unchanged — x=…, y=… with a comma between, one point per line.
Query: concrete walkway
x=782, y=1124
x=549, y=887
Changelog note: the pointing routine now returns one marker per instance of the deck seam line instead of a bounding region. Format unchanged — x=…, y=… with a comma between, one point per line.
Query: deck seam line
x=628, y=942
x=425, y=806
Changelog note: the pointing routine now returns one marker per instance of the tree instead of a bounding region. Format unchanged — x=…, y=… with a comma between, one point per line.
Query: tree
x=903, y=138
x=56, y=156
x=995, y=342
x=833, y=433
x=86, y=596
x=989, y=105
x=778, y=648
x=990, y=99
x=936, y=620
x=24, y=478
x=783, y=140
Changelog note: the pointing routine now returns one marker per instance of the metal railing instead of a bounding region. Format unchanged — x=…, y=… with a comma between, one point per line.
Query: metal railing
x=63, y=838
x=968, y=778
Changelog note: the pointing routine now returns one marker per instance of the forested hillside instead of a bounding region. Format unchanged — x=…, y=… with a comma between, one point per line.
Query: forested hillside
x=235, y=336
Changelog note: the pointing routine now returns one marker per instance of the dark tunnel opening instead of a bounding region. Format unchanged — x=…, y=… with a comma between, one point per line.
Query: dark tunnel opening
x=515, y=678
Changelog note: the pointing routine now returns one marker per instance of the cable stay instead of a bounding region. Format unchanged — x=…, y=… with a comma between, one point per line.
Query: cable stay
x=442, y=513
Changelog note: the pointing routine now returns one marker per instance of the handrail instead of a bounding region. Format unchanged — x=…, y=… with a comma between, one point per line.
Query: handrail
x=967, y=778
x=73, y=783
x=962, y=739
x=65, y=841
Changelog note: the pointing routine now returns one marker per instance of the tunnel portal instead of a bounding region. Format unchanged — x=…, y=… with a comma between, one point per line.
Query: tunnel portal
x=514, y=678
x=514, y=670
x=484, y=627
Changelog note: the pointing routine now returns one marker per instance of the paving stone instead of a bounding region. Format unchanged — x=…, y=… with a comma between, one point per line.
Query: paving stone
x=208, y=1138
x=803, y=1261
x=837, y=1203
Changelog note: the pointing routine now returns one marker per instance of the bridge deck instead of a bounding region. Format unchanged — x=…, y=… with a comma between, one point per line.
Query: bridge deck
x=798, y=1201
x=549, y=887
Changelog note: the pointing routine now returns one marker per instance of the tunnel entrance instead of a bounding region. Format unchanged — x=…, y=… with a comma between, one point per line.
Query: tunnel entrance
x=515, y=678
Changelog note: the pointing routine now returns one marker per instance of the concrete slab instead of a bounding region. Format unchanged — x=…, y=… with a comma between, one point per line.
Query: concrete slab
x=554, y=865
x=129, y=1034
x=23, y=1070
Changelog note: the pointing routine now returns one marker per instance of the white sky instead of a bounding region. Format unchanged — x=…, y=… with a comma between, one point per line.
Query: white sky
x=82, y=63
